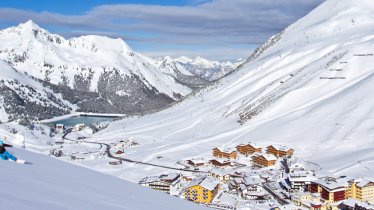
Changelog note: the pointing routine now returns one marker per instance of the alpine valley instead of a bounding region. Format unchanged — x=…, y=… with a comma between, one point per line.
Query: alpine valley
x=91, y=74
x=307, y=88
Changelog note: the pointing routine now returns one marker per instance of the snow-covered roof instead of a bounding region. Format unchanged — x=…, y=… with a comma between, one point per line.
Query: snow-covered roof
x=280, y=147
x=209, y=183
x=352, y=202
x=206, y=182
x=253, y=144
x=332, y=184
x=226, y=149
x=163, y=177
x=301, y=176
x=219, y=172
x=252, y=180
x=268, y=157
x=225, y=199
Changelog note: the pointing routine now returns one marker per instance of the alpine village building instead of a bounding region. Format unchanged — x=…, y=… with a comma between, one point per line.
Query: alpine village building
x=264, y=160
x=279, y=151
x=165, y=183
x=248, y=149
x=202, y=190
x=361, y=189
x=224, y=153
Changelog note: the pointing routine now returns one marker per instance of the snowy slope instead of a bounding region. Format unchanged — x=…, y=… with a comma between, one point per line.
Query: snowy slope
x=308, y=87
x=53, y=184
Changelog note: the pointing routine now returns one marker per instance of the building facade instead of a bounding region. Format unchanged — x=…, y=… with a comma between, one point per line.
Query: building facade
x=361, y=189
x=280, y=151
x=224, y=153
x=264, y=160
x=248, y=149
x=330, y=189
x=202, y=190
x=164, y=183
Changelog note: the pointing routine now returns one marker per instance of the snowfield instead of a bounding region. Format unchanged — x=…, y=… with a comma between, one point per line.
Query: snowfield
x=54, y=184
x=309, y=89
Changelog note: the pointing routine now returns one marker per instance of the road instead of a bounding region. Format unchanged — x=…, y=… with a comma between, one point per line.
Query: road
x=280, y=200
x=110, y=155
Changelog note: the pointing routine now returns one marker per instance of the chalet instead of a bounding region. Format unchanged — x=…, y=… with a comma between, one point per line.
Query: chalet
x=167, y=183
x=248, y=149
x=196, y=162
x=224, y=153
x=280, y=151
x=220, y=163
x=361, y=189
x=330, y=189
x=202, y=190
x=264, y=160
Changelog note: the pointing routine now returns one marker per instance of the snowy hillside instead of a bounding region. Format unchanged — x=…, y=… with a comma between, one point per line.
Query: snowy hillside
x=307, y=87
x=54, y=184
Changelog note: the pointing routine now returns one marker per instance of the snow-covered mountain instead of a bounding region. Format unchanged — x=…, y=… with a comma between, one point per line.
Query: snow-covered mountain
x=52, y=184
x=22, y=97
x=308, y=87
x=115, y=78
x=201, y=67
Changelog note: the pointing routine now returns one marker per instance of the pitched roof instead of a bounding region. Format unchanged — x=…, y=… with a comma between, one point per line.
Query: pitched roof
x=268, y=157
x=207, y=182
x=280, y=147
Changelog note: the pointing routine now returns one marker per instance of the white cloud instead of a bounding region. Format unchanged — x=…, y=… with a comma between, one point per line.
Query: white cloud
x=216, y=22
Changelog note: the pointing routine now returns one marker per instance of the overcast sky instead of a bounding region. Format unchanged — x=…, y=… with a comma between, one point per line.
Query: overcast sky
x=215, y=29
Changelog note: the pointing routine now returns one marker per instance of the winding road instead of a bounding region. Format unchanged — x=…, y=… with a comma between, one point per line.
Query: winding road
x=109, y=155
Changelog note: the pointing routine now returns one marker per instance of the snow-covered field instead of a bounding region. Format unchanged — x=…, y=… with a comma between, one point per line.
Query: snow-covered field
x=52, y=184
x=310, y=90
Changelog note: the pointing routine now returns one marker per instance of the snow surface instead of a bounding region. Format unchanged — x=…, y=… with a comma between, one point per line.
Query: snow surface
x=327, y=121
x=54, y=184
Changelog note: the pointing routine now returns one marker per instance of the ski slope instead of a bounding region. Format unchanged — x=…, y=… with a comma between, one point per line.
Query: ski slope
x=308, y=87
x=52, y=184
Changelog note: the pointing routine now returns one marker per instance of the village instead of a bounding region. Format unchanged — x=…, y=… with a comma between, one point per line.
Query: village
x=246, y=176
x=252, y=177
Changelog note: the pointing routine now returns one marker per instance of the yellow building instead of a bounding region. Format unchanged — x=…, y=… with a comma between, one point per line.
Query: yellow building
x=361, y=189
x=279, y=151
x=202, y=190
x=224, y=153
x=248, y=149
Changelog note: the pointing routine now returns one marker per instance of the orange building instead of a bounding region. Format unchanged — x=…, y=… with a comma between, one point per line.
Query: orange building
x=264, y=160
x=279, y=151
x=248, y=149
x=224, y=153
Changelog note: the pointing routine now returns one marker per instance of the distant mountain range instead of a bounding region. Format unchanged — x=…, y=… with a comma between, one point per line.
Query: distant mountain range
x=95, y=74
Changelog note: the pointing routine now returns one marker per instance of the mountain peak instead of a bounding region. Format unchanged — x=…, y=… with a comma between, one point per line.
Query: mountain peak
x=29, y=25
